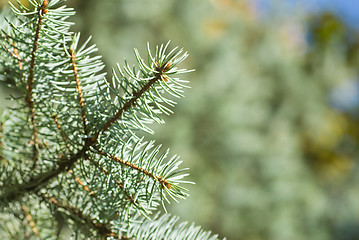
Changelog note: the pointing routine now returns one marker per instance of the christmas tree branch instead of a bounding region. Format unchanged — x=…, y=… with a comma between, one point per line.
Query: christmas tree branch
x=36, y=182
x=94, y=169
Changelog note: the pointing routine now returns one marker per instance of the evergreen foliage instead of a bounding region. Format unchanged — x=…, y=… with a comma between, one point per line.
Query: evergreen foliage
x=71, y=153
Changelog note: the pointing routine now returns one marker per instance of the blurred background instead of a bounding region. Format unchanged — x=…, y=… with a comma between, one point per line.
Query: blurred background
x=270, y=127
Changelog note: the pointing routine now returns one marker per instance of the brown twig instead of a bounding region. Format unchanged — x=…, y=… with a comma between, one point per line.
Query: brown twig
x=16, y=191
x=136, y=95
x=15, y=54
x=58, y=125
x=163, y=182
x=118, y=183
x=68, y=147
x=79, y=90
x=30, y=220
x=87, y=189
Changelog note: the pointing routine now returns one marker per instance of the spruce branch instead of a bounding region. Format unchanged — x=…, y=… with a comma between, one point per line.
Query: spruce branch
x=156, y=71
x=129, y=104
x=81, y=131
x=68, y=147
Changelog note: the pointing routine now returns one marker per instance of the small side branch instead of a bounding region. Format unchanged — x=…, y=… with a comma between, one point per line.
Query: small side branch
x=159, y=75
x=102, y=229
x=58, y=125
x=30, y=220
x=163, y=182
x=15, y=55
x=86, y=188
x=79, y=90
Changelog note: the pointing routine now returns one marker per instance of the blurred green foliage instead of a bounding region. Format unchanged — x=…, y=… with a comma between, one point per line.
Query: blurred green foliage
x=271, y=157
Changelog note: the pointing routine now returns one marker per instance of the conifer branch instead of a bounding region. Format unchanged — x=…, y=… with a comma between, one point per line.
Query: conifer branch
x=30, y=220
x=69, y=86
x=164, y=183
x=36, y=182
